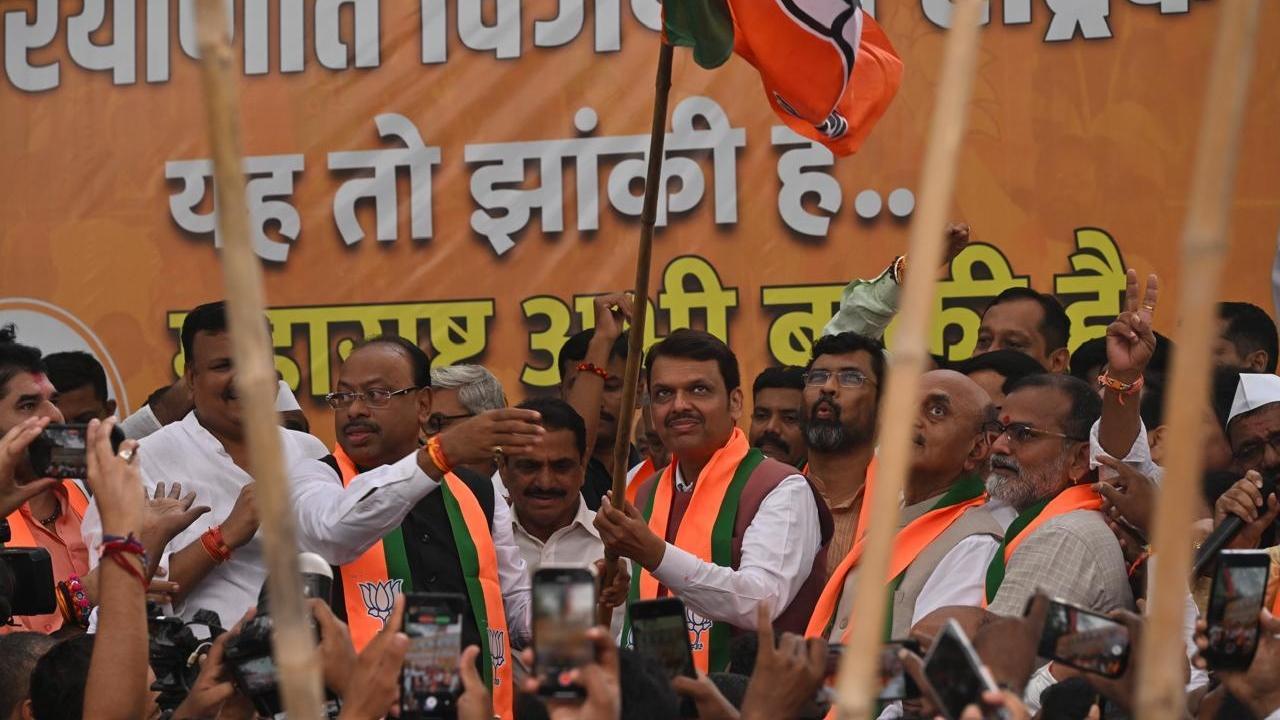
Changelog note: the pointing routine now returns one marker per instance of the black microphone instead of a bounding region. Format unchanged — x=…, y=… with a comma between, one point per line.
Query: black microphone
x=1231, y=526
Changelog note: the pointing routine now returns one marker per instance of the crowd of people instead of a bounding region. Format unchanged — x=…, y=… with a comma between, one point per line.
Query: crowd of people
x=1034, y=474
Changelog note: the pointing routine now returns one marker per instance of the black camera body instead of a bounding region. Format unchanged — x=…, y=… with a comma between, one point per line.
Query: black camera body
x=172, y=651
x=29, y=569
x=247, y=655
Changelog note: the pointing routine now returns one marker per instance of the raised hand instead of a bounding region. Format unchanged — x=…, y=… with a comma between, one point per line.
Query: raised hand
x=13, y=454
x=957, y=239
x=1130, y=340
x=491, y=433
x=374, y=689
x=114, y=479
x=167, y=514
x=1129, y=495
x=611, y=310
x=787, y=676
x=475, y=703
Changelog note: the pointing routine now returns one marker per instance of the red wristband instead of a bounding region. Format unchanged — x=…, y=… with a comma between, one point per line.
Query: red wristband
x=214, y=545
x=591, y=368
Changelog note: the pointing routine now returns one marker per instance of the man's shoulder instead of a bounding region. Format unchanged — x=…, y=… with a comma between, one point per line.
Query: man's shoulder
x=980, y=520
x=1087, y=525
x=308, y=445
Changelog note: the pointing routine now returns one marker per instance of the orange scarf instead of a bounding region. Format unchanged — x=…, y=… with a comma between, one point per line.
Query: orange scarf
x=907, y=546
x=694, y=534
x=1076, y=497
x=369, y=590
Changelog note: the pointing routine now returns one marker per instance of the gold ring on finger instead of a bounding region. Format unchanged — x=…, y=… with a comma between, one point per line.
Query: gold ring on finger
x=126, y=455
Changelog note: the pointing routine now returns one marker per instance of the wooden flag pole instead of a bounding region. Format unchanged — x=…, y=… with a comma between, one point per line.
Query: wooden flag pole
x=1161, y=685
x=297, y=661
x=644, y=255
x=855, y=696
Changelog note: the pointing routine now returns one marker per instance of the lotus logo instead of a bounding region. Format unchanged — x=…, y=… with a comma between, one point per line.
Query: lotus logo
x=380, y=597
x=497, y=651
x=697, y=625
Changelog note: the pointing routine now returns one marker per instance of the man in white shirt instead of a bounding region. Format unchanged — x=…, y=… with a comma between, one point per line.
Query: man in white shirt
x=722, y=571
x=392, y=492
x=217, y=562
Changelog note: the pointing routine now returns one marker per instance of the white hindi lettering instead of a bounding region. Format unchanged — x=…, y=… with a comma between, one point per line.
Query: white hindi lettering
x=120, y=55
x=505, y=206
x=21, y=37
x=567, y=25
x=331, y=50
x=800, y=173
x=269, y=176
x=381, y=185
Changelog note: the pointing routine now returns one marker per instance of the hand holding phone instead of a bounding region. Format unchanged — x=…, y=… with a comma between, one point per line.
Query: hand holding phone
x=956, y=677
x=1084, y=640
x=429, y=681
x=1235, y=601
x=564, y=605
x=894, y=681
x=59, y=451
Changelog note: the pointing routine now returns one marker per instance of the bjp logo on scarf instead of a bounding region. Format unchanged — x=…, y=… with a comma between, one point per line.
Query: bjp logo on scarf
x=697, y=625
x=497, y=651
x=380, y=597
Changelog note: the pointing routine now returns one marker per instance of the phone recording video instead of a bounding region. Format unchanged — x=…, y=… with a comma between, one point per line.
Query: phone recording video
x=660, y=631
x=59, y=450
x=429, y=681
x=564, y=605
x=895, y=683
x=956, y=676
x=1084, y=640
x=1234, y=604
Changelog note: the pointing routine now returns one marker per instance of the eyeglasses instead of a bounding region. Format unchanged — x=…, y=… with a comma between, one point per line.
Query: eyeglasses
x=846, y=378
x=1251, y=453
x=437, y=422
x=373, y=398
x=1021, y=433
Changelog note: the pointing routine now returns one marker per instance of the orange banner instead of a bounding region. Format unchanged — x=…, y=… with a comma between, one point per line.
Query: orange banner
x=469, y=174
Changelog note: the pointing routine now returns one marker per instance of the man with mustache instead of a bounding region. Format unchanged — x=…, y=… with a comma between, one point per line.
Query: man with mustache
x=777, y=407
x=723, y=527
x=842, y=389
x=397, y=517
x=947, y=534
x=550, y=519
x=1029, y=322
x=1059, y=543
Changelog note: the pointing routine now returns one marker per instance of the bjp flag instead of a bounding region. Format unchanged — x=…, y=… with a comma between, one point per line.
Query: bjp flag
x=828, y=69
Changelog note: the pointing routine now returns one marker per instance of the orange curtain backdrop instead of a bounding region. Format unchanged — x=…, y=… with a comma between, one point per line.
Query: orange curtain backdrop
x=1065, y=137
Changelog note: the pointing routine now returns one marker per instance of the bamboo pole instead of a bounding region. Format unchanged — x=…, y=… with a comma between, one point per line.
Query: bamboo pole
x=644, y=255
x=855, y=696
x=294, y=645
x=1161, y=683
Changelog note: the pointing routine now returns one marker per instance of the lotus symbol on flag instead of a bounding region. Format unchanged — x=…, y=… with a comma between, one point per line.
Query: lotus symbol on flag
x=380, y=597
x=497, y=650
x=697, y=625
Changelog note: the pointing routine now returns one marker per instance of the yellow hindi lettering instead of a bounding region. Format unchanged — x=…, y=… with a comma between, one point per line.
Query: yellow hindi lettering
x=710, y=297
x=793, y=332
x=559, y=319
x=1092, y=291
x=978, y=274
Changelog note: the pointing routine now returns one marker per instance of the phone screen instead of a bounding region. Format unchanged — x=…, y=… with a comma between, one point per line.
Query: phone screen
x=953, y=672
x=665, y=638
x=895, y=683
x=429, y=682
x=564, y=604
x=1084, y=640
x=1234, y=604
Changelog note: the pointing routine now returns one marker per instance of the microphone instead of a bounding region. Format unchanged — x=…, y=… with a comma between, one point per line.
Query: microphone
x=317, y=580
x=1231, y=526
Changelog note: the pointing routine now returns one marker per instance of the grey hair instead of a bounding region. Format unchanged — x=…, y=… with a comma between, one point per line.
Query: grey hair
x=478, y=389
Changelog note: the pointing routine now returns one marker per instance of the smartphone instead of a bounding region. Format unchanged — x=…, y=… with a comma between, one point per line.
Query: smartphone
x=660, y=630
x=429, y=681
x=895, y=683
x=1084, y=640
x=59, y=450
x=957, y=678
x=564, y=607
x=1234, y=604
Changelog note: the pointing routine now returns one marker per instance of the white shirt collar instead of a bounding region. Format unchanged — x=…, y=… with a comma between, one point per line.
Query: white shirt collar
x=584, y=518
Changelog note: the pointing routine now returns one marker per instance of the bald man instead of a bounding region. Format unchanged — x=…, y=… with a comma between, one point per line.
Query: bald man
x=947, y=533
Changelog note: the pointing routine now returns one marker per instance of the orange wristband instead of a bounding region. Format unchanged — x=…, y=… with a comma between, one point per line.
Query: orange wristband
x=436, y=453
x=214, y=545
x=1120, y=388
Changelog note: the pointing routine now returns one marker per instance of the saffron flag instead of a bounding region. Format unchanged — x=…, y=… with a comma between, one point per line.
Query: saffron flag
x=828, y=69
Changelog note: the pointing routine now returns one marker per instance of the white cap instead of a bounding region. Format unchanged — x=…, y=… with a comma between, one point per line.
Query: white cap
x=1254, y=391
x=285, y=401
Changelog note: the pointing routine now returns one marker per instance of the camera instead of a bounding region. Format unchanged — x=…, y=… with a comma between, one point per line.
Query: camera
x=173, y=649
x=29, y=569
x=248, y=654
